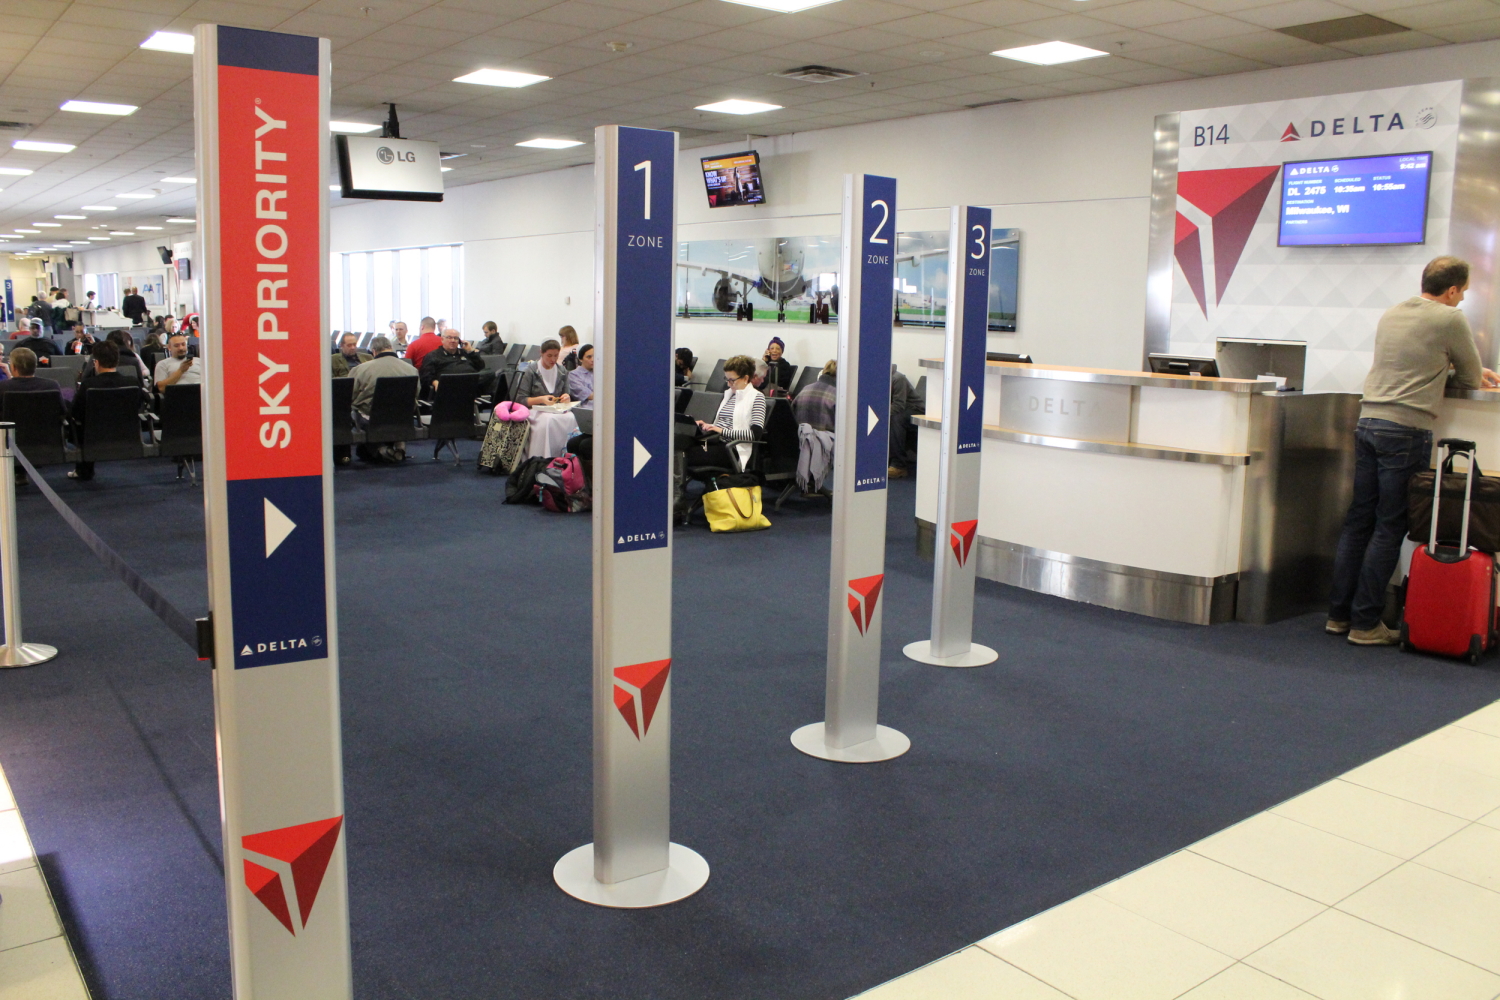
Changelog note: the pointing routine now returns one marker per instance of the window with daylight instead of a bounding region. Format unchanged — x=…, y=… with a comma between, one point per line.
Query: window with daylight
x=371, y=289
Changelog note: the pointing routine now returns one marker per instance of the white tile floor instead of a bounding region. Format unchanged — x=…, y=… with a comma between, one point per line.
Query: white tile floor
x=1383, y=883
x=36, y=962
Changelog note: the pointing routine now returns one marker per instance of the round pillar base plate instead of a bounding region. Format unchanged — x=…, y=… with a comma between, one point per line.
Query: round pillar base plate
x=887, y=743
x=977, y=656
x=26, y=655
x=685, y=874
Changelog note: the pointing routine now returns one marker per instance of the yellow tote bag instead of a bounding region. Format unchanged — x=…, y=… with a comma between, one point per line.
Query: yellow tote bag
x=734, y=509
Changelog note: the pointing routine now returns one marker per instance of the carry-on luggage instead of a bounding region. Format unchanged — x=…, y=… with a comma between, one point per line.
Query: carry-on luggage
x=1484, y=507
x=1450, y=591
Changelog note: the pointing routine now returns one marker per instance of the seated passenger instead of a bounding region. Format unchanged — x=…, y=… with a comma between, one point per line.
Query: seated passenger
x=41, y=346
x=347, y=357
x=683, y=359
x=82, y=342
x=581, y=379
x=492, y=342
x=780, y=373
x=23, y=376
x=104, y=376
x=384, y=364
x=177, y=368
x=544, y=382
x=429, y=340
x=816, y=404
x=569, y=356
x=741, y=416
x=452, y=357
x=129, y=361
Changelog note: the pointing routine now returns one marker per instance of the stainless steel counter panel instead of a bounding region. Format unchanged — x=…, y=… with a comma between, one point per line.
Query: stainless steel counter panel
x=1103, y=447
x=1482, y=395
x=1299, y=484
x=1113, y=377
x=1173, y=596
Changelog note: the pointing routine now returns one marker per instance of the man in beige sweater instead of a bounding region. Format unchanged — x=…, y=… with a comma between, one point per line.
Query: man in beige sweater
x=1416, y=344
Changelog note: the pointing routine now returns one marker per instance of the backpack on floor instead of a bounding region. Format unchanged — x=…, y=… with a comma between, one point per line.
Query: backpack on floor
x=521, y=486
x=561, y=487
x=504, y=446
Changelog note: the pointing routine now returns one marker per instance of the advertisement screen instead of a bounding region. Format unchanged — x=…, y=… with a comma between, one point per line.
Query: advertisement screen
x=733, y=179
x=1359, y=201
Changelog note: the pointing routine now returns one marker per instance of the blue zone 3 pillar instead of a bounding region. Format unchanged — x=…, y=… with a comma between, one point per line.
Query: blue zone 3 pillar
x=632, y=861
x=261, y=114
x=861, y=457
x=962, y=438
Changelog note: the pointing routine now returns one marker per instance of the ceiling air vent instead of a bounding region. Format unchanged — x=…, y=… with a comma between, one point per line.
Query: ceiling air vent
x=1343, y=29
x=817, y=74
x=15, y=125
x=991, y=104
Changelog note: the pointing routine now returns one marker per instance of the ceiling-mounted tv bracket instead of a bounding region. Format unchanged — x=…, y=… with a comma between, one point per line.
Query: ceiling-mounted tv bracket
x=392, y=127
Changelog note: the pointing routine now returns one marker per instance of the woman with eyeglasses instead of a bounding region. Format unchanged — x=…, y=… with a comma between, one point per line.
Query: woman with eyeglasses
x=741, y=416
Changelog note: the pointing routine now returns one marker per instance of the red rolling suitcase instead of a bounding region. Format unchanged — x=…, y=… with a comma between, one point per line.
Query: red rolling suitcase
x=1450, y=591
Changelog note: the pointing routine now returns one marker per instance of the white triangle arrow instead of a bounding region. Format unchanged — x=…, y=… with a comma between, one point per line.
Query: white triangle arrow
x=871, y=420
x=642, y=456
x=278, y=526
x=972, y=397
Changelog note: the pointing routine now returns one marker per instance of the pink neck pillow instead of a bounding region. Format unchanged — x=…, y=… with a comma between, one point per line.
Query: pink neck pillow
x=511, y=411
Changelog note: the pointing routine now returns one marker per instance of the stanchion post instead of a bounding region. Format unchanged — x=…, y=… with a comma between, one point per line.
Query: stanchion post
x=632, y=861
x=16, y=652
x=849, y=731
x=955, y=564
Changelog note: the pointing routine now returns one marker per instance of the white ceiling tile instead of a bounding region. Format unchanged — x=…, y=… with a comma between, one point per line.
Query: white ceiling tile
x=1201, y=29
x=1399, y=42
x=1002, y=13
x=1442, y=15
x=1472, y=31
x=1284, y=15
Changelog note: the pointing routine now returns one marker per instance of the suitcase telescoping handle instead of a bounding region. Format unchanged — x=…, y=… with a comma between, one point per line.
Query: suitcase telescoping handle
x=1468, y=449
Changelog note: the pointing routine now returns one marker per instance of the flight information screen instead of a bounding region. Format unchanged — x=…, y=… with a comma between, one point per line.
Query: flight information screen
x=1358, y=201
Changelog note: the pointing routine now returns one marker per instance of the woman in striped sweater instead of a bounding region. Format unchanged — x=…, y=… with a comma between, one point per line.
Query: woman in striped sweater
x=741, y=416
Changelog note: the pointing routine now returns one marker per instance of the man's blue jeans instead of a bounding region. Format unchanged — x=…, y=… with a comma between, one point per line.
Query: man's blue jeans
x=1386, y=456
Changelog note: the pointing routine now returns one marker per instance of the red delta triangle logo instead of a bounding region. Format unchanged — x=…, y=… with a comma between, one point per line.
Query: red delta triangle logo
x=865, y=594
x=1232, y=200
x=961, y=539
x=307, y=849
x=1291, y=134
x=638, y=689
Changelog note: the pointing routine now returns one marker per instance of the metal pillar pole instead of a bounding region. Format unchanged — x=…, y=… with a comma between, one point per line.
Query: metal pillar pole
x=849, y=732
x=962, y=440
x=16, y=652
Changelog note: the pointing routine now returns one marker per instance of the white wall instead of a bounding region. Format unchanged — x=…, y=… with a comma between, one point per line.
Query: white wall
x=127, y=259
x=1074, y=174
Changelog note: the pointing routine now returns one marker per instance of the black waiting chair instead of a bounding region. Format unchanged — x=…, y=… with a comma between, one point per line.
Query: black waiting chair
x=364, y=340
x=393, y=411
x=341, y=412
x=808, y=376
x=453, y=412
x=64, y=377
x=532, y=353
x=494, y=362
x=38, y=417
x=684, y=398
x=513, y=356
x=777, y=457
x=704, y=406
x=181, y=427
x=716, y=380
x=112, y=429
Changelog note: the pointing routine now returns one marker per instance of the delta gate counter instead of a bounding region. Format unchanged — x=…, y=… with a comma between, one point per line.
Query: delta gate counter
x=1192, y=499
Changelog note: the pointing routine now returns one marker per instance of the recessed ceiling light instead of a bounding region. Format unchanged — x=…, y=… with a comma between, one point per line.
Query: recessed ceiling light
x=48, y=225
x=550, y=143
x=180, y=180
x=446, y=170
x=28, y=230
x=14, y=171
x=170, y=41
x=356, y=127
x=500, y=78
x=135, y=196
x=70, y=216
x=120, y=232
x=148, y=227
x=78, y=243
x=98, y=108
x=782, y=6
x=37, y=146
x=1049, y=53
x=738, y=107
x=189, y=221
x=101, y=208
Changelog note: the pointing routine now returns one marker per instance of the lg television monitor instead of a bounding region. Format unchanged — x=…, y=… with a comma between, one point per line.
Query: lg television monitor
x=1183, y=364
x=389, y=169
x=733, y=179
x=1354, y=202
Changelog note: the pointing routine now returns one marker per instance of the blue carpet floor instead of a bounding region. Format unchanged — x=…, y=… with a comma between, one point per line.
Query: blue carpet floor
x=1100, y=742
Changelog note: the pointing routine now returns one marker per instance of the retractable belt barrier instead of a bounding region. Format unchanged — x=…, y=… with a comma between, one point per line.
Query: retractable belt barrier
x=184, y=627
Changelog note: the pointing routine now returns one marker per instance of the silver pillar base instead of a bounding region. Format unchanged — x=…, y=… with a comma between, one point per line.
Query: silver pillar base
x=887, y=743
x=977, y=655
x=25, y=655
x=685, y=874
